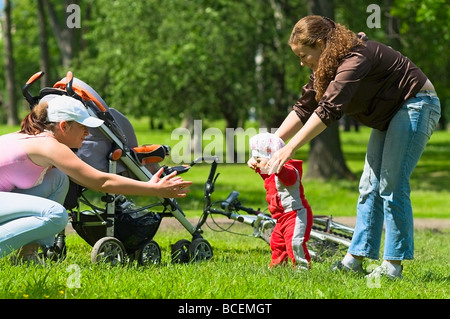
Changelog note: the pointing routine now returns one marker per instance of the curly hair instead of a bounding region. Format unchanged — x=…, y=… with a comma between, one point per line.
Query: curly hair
x=337, y=39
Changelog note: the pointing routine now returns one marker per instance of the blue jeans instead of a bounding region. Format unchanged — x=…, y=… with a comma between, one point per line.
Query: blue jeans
x=33, y=215
x=384, y=187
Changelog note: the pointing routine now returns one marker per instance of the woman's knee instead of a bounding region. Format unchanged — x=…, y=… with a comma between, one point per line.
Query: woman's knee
x=57, y=215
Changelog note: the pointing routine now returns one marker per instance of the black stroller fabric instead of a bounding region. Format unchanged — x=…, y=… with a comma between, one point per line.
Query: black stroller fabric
x=91, y=234
x=133, y=231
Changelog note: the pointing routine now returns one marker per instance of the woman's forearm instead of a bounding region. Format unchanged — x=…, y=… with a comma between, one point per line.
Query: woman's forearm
x=289, y=127
x=313, y=127
x=168, y=186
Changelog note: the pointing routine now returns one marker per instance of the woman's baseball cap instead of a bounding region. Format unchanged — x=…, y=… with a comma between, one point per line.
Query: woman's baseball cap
x=66, y=108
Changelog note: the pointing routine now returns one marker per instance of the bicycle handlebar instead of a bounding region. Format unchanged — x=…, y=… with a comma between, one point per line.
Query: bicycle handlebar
x=232, y=203
x=248, y=210
x=231, y=206
x=231, y=198
x=209, y=185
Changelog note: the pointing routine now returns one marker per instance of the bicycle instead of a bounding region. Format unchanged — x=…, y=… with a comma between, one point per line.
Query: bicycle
x=327, y=237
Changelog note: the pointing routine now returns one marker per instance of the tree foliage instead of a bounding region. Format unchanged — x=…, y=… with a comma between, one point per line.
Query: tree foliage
x=181, y=60
x=425, y=37
x=208, y=58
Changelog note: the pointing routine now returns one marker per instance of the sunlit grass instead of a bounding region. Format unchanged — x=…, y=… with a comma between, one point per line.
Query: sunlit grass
x=238, y=270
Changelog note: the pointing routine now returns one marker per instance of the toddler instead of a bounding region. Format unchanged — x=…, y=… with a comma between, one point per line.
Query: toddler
x=287, y=202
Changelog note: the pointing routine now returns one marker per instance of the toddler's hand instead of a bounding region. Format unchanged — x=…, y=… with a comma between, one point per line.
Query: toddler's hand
x=252, y=163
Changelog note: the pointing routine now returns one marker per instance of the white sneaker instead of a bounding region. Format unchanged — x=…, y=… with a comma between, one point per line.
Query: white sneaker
x=349, y=263
x=386, y=270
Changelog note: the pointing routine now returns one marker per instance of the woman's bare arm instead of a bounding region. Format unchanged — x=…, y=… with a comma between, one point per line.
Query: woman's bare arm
x=63, y=158
x=290, y=126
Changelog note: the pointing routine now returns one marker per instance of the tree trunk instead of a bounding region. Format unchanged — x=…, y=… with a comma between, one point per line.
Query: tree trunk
x=392, y=27
x=278, y=112
x=65, y=36
x=11, y=101
x=44, y=60
x=326, y=160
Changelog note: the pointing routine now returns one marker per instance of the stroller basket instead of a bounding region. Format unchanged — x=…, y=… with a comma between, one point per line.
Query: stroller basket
x=134, y=227
x=134, y=232
x=89, y=225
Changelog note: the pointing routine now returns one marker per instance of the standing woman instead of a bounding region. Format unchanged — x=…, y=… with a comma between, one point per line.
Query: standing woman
x=384, y=90
x=35, y=164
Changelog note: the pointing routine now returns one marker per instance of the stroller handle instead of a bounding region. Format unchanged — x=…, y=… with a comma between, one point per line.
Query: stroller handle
x=34, y=78
x=77, y=92
x=30, y=99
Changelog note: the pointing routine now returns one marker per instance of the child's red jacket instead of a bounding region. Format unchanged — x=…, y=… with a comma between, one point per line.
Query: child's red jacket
x=285, y=190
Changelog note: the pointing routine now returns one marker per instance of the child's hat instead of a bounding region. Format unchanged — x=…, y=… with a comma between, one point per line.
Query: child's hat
x=265, y=144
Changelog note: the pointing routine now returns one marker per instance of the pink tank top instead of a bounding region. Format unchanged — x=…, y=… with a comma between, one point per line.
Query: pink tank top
x=16, y=168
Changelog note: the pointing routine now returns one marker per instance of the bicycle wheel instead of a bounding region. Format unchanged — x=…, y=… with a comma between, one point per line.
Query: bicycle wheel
x=323, y=245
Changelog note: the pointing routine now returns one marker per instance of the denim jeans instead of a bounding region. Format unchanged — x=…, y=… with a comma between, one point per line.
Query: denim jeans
x=384, y=187
x=33, y=215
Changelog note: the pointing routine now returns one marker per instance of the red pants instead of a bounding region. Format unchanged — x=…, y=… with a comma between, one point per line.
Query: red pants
x=289, y=238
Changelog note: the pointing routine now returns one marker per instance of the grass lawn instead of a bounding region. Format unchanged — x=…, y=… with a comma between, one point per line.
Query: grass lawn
x=238, y=269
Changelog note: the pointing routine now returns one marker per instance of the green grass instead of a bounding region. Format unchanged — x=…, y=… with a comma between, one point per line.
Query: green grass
x=239, y=267
x=238, y=270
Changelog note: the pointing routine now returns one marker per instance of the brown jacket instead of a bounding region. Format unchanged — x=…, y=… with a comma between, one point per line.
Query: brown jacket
x=371, y=84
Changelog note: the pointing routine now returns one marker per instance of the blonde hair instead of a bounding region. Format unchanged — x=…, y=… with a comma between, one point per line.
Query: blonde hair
x=36, y=121
x=338, y=41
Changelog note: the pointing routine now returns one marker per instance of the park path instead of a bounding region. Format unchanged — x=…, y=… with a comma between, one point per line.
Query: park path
x=438, y=224
x=419, y=223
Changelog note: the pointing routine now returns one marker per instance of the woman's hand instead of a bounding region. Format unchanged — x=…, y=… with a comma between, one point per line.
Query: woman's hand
x=313, y=127
x=170, y=186
x=279, y=158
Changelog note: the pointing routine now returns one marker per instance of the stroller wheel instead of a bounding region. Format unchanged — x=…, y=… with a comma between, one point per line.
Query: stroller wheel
x=55, y=253
x=200, y=250
x=180, y=251
x=108, y=250
x=58, y=251
x=149, y=254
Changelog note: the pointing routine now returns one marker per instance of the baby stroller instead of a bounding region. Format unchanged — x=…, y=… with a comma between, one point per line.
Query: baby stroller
x=119, y=231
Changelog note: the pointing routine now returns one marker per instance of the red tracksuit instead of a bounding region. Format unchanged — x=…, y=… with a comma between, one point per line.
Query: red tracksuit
x=288, y=205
